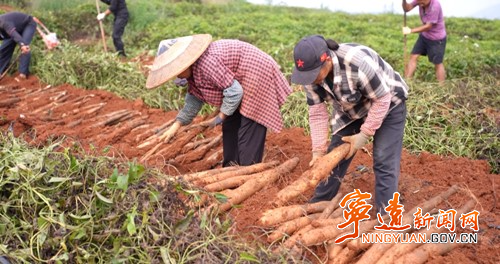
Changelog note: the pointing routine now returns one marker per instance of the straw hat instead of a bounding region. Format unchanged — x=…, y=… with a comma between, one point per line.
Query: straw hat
x=179, y=56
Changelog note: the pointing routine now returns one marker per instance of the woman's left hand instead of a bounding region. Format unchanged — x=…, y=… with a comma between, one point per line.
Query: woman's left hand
x=357, y=141
x=25, y=49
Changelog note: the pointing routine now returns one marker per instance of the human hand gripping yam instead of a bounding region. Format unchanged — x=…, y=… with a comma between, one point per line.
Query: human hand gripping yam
x=170, y=133
x=319, y=171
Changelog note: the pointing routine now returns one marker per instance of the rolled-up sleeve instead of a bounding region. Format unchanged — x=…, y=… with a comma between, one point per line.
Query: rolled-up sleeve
x=191, y=108
x=318, y=117
x=232, y=98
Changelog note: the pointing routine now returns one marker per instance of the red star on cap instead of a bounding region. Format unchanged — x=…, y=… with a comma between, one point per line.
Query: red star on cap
x=300, y=63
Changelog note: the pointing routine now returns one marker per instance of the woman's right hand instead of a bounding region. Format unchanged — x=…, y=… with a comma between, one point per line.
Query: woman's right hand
x=315, y=156
x=170, y=133
x=25, y=49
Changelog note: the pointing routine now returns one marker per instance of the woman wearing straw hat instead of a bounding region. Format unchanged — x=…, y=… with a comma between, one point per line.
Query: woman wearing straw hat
x=243, y=81
x=368, y=99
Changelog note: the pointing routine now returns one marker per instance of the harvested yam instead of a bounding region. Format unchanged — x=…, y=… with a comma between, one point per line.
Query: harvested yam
x=102, y=120
x=309, y=179
x=331, y=222
x=317, y=236
x=124, y=130
x=400, y=249
x=426, y=251
x=88, y=109
x=141, y=127
x=295, y=238
x=212, y=160
x=291, y=226
x=254, y=185
x=228, y=183
x=198, y=153
x=407, y=218
x=343, y=257
x=283, y=214
x=193, y=145
x=333, y=251
x=9, y=102
x=337, y=213
x=241, y=170
x=376, y=251
x=172, y=149
x=198, y=175
x=334, y=204
x=152, y=134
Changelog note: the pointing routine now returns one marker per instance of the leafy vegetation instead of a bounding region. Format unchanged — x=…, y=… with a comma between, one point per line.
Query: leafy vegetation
x=471, y=60
x=58, y=204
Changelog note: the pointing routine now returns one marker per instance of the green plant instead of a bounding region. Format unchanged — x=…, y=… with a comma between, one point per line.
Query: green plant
x=60, y=204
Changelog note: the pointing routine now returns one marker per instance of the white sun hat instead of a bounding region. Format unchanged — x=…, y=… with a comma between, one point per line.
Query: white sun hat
x=175, y=56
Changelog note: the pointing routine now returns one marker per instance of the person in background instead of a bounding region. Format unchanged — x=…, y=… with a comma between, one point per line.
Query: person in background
x=16, y=29
x=431, y=40
x=120, y=11
x=243, y=81
x=368, y=99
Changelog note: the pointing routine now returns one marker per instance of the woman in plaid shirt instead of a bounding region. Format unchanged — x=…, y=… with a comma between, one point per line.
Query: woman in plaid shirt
x=368, y=99
x=249, y=88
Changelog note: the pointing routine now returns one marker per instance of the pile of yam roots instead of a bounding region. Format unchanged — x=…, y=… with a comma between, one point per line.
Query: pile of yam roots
x=298, y=228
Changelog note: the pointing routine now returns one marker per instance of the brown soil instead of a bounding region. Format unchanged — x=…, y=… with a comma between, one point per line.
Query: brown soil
x=44, y=113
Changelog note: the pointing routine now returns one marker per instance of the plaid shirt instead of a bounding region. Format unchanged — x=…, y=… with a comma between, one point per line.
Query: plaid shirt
x=361, y=77
x=264, y=87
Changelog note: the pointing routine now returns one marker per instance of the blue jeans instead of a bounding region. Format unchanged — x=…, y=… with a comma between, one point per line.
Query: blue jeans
x=387, y=147
x=9, y=45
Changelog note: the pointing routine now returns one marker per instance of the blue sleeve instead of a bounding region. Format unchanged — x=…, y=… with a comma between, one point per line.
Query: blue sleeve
x=232, y=98
x=191, y=108
x=9, y=27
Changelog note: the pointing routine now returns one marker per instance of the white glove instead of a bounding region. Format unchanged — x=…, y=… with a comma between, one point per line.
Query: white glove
x=315, y=156
x=406, y=30
x=357, y=141
x=170, y=133
x=101, y=16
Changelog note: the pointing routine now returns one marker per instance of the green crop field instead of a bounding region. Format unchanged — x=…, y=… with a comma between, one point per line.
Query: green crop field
x=455, y=119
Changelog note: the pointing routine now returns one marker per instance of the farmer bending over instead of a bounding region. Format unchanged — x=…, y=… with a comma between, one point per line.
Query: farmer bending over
x=16, y=28
x=368, y=99
x=432, y=38
x=242, y=80
x=120, y=11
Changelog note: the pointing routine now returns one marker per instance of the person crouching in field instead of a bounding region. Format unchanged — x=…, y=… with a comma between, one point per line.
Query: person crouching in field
x=368, y=99
x=243, y=81
x=16, y=28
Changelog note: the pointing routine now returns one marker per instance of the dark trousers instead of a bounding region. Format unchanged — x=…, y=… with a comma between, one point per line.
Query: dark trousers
x=9, y=45
x=243, y=140
x=118, y=29
x=387, y=147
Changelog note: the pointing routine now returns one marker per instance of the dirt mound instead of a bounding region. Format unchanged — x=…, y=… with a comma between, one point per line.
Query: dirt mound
x=99, y=120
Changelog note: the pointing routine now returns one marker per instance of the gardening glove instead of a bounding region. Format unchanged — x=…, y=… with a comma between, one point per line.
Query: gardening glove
x=101, y=16
x=357, y=141
x=406, y=30
x=315, y=156
x=25, y=49
x=215, y=121
x=170, y=133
